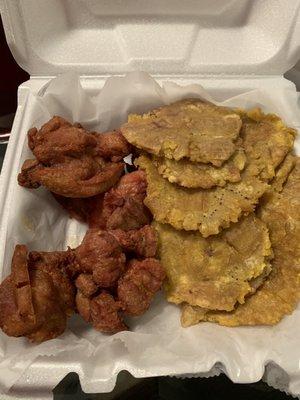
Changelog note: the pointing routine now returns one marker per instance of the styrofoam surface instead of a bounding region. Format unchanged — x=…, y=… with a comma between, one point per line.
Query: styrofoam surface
x=96, y=37
x=239, y=352
x=250, y=43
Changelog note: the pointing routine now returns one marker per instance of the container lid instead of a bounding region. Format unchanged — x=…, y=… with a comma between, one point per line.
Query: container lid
x=163, y=37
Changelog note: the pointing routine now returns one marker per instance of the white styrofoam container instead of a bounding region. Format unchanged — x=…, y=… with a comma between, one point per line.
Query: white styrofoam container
x=228, y=46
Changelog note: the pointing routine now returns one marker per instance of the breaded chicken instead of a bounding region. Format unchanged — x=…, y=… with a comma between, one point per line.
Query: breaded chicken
x=67, y=161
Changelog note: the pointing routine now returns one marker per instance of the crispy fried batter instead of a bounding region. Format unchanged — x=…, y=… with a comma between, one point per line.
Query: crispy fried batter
x=192, y=128
x=198, y=175
x=123, y=206
x=84, y=177
x=101, y=255
x=25, y=177
x=102, y=311
x=85, y=283
x=67, y=161
x=51, y=318
x=57, y=140
x=281, y=291
x=216, y=272
x=83, y=306
x=11, y=321
x=194, y=209
x=112, y=145
x=120, y=208
x=105, y=314
x=142, y=242
x=37, y=297
x=137, y=287
x=55, y=264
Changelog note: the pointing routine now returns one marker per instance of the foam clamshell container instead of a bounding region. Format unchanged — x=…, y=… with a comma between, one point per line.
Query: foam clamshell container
x=235, y=50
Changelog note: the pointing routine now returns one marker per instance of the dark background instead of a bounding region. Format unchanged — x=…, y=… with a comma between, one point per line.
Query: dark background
x=164, y=388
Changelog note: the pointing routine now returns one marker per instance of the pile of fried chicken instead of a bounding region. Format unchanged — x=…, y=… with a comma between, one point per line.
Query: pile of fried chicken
x=113, y=272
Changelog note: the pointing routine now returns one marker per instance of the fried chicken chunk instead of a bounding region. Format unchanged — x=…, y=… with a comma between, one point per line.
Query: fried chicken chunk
x=100, y=254
x=112, y=145
x=101, y=311
x=142, y=242
x=67, y=161
x=123, y=206
x=86, y=284
x=37, y=297
x=120, y=208
x=138, y=285
x=56, y=265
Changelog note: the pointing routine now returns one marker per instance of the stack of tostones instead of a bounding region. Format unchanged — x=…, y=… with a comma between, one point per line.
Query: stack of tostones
x=222, y=185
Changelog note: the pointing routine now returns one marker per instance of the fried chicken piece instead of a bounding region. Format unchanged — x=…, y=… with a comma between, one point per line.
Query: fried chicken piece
x=86, y=284
x=123, y=206
x=17, y=316
x=120, y=208
x=132, y=185
x=83, y=306
x=21, y=281
x=56, y=265
x=131, y=215
x=67, y=162
x=25, y=177
x=84, y=177
x=49, y=308
x=138, y=285
x=100, y=255
x=58, y=140
x=105, y=313
x=37, y=297
x=11, y=321
x=112, y=145
x=102, y=312
x=142, y=242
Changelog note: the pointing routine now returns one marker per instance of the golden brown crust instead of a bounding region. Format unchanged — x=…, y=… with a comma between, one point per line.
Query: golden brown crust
x=267, y=141
x=194, y=129
x=215, y=272
x=194, y=209
x=280, y=293
x=198, y=175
